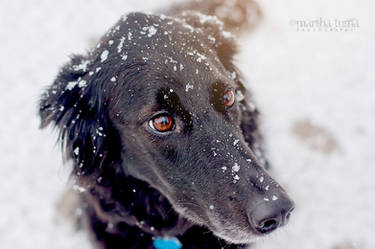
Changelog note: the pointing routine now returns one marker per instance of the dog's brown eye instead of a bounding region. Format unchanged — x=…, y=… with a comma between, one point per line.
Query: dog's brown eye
x=162, y=123
x=228, y=98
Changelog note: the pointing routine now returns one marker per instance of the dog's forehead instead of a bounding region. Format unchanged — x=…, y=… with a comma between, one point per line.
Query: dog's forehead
x=171, y=50
x=168, y=35
x=165, y=44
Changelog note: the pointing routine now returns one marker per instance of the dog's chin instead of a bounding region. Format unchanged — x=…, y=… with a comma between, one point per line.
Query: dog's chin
x=232, y=233
x=237, y=236
x=224, y=230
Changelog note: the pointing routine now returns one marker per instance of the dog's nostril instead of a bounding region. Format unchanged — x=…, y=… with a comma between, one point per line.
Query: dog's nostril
x=268, y=225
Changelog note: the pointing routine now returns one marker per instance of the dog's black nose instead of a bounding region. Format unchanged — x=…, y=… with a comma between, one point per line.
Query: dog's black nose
x=271, y=214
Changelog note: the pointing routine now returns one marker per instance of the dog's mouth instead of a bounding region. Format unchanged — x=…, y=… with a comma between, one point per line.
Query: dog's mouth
x=233, y=230
x=233, y=233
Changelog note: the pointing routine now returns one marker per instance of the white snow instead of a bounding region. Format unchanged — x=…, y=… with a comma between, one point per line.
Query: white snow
x=99, y=179
x=200, y=57
x=76, y=151
x=82, y=66
x=236, y=167
x=71, y=85
x=151, y=30
x=261, y=179
x=104, y=55
x=120, y=45
x=124, y=57
x=189, y=86
x=82, y=83
x=323, y=77
x=130, y=36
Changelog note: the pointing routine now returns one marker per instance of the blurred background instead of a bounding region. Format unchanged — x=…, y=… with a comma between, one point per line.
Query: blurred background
x=314, y=85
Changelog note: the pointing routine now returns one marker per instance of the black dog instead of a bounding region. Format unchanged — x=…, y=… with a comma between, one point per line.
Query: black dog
x=163, y=141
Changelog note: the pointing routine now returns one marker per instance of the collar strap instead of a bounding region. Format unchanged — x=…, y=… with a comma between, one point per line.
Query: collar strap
x=167, y=243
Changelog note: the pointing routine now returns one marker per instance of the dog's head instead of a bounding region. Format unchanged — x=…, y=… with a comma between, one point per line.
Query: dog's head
x=161, y=97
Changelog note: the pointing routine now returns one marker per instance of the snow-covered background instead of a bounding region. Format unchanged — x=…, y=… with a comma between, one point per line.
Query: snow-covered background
x=316, y=91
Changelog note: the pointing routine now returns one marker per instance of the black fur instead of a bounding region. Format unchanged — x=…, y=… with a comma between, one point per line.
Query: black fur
x=139, y=184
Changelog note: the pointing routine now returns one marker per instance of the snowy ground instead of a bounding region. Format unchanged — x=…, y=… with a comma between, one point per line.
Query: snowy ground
x=316, y=91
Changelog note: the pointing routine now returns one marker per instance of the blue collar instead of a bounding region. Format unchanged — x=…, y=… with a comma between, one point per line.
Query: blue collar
x=167, y=243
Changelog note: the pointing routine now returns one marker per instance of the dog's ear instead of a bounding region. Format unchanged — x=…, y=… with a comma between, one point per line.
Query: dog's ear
x=76, y=104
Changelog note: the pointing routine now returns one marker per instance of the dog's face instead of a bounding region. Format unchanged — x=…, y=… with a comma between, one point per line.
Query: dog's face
x=172, y=95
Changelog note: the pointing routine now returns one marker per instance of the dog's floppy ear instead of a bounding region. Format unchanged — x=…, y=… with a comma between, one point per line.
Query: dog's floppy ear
x=76, y=104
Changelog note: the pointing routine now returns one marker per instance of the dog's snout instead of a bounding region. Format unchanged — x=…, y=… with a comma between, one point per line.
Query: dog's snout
x=269, y=215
